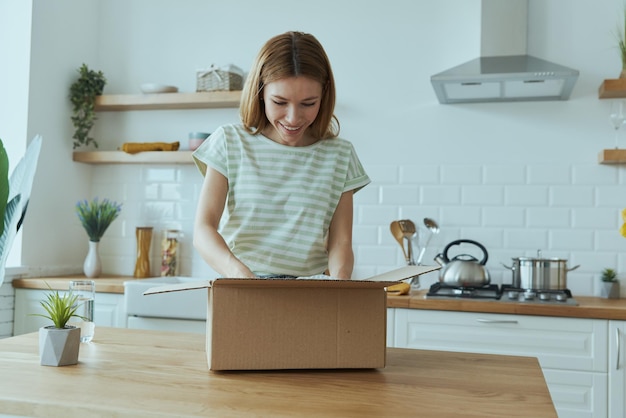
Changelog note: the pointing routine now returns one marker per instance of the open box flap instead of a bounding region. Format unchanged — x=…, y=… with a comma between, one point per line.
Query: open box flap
x=382, y=280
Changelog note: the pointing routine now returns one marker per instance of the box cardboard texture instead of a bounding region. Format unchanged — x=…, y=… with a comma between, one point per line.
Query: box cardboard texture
x=304, y=323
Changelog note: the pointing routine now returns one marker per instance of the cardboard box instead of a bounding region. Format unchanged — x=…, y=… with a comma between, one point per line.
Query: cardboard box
x=304, y=323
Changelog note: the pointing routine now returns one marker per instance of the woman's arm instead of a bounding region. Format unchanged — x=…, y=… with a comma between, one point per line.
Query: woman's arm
x=209, y=243
x=340, y=255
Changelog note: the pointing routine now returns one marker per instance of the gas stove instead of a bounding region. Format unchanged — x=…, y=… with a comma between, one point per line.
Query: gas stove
x=503, y=294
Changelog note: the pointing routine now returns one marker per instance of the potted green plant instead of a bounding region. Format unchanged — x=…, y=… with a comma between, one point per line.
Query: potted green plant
x=15, y=195
x=83, y=94
x=95, y=216
x=59, y=343
x=610, y=285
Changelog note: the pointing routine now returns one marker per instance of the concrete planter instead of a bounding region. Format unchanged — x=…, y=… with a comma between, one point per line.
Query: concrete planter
x=610, y=290
x=59, y=346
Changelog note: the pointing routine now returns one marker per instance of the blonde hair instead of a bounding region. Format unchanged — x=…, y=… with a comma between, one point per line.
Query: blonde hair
x=290, y=54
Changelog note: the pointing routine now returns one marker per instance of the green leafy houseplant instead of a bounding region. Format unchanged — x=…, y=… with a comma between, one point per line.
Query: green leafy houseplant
x=96, y=216
x=60, y=308
x=15, y=195
x=83, y=94
x=59, y=344
x=608, y=275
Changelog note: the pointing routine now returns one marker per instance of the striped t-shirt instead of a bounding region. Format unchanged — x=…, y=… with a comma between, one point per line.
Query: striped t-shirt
x=281, y=199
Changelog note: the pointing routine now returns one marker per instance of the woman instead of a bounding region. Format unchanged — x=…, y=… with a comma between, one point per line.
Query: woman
x=279, y=185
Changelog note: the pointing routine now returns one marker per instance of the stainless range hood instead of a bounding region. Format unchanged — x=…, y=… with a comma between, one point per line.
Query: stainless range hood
x=504, y=72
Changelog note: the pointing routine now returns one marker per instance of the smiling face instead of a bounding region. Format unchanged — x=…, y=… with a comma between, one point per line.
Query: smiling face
x=291, y=106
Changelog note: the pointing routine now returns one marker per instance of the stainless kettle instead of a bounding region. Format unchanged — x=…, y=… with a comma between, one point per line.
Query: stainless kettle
x=464, y=269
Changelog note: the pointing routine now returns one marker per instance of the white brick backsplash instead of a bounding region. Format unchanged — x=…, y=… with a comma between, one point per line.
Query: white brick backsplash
x=420, y=174
x=609, y=240
x=613, y=196
x=441, y=195
x=376, y=215
x=549, y=174
x=461, y=215
x=572, y=212
x=400, y=195
x=482, y=195
x=595, y=218
x=383, y=173
x=595, y=175
x=503, y=217
x=526, y=238
x=567, y=239
x=160, y=173
x=570, y=196
x=548, y=217
x=463, y=174
x=505, y=174
x=526, y=196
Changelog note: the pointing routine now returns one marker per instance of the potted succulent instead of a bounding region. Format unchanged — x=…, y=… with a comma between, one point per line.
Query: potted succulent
x=83, y=94
x=59, y=343
x=610, y=285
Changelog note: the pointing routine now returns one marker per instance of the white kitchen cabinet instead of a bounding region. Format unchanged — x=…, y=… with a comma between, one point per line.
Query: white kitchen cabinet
x=617, y=369
x=391, y=317
x=572, y=352
x=108, y=310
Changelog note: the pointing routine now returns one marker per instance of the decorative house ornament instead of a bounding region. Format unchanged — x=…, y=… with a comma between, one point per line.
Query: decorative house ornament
x=59, y=344
x=96, y=216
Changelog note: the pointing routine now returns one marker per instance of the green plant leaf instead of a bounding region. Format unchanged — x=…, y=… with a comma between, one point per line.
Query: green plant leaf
x=83, y=94
x=4, y=185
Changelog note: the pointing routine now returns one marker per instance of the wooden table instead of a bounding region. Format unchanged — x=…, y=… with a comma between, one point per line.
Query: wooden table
x=158, y=374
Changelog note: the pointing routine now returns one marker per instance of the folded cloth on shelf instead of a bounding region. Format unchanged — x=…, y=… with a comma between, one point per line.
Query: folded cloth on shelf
x=135, y=147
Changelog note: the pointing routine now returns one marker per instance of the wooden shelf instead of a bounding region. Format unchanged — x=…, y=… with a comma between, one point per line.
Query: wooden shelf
x=167, y=101
x=612, y=89
x=120, y=157
x=612, y=156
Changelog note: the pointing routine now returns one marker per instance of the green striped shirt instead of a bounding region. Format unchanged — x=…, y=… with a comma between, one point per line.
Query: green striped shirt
x=281, y=199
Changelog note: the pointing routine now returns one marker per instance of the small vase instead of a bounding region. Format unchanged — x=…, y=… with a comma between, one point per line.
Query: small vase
x=93, y=265
x=144, y=240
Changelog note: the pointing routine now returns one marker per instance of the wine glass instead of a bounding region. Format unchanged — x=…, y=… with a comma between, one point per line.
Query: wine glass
x=618, y=116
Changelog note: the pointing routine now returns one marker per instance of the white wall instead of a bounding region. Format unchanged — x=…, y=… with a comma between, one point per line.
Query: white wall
x=515, y=176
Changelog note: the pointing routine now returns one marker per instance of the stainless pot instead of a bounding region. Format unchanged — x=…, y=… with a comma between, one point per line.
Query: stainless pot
x=536, y=273
x=464, y=269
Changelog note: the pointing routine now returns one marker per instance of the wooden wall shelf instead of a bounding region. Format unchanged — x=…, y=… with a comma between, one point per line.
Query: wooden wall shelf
x=612, y=89
x=612, y=156
x=120, y=157
x=167, y=101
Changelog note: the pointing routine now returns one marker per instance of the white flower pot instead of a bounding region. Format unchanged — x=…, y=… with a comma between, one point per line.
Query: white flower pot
x=610, y=290
x=93, y=265
x=59, y=346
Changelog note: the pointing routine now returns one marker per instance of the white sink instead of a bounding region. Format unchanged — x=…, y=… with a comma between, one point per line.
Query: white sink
x=189, y=304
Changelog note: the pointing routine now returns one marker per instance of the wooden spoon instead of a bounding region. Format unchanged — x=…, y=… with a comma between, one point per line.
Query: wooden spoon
x=396, y=231
x=409, y=231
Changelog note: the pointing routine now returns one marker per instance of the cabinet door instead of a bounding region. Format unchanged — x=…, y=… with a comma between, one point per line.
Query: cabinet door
x=391, y=315
x=108, y=310
x=558, y=343
x=617, y=369
x=577, y=394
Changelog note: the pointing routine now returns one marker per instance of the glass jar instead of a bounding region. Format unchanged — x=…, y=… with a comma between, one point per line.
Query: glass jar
x=170, y=252
x=144, y=241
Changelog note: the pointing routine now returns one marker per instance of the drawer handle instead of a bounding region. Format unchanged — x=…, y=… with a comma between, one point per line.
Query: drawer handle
x=617, y=346
x=496, y=321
